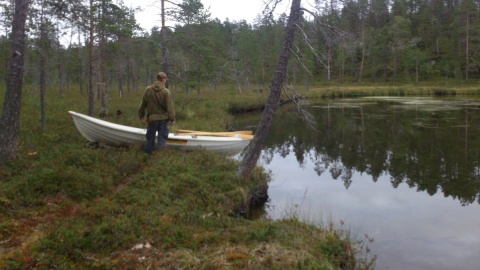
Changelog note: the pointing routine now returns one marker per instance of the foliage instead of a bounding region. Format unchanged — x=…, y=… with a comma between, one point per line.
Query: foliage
x=379, y=42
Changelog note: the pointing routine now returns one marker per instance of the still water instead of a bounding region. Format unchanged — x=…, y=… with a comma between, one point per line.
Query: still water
x=404, y=171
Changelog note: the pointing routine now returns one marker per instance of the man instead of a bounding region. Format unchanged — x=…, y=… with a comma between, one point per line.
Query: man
x=158, y=104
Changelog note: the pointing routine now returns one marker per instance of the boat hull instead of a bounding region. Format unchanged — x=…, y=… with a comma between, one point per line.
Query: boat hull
x=100, y=131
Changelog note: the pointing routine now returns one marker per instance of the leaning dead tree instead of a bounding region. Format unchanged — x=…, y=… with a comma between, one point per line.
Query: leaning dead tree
x=254, y=149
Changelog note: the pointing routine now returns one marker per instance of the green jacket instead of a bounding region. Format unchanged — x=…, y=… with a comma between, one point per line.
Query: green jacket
x=157, y=103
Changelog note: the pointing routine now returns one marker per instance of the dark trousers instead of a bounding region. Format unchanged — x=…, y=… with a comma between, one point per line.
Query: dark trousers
x=160, y=126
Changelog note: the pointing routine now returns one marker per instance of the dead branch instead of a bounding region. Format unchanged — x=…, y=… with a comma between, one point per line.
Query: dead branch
x=299, y=102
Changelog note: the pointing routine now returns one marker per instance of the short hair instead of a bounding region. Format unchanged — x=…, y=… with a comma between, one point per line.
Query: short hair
x=161, y=75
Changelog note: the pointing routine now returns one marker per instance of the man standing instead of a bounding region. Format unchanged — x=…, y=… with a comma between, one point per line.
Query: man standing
x=158, y=103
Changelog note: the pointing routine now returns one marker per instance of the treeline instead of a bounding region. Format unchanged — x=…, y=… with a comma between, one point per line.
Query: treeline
x=352, y=41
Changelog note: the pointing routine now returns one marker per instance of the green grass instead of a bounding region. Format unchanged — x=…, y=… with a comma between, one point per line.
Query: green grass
x=68, y=205
x=348, y=91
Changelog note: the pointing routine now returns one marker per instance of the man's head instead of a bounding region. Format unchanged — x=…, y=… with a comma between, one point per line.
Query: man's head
x=161, y=76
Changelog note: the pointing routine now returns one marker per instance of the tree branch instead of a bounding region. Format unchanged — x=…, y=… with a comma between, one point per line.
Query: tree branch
x=299, y=102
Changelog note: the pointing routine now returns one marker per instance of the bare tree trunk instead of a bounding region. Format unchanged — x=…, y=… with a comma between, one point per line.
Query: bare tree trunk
x=80, y=62
x=10, y=120
x=164, y=42
x=103, y=70
x=364, y=50
x=416, y=71
x=135, y=78
x=128, y=77
x=362, y=64
x=43, y=52
x=395, y=66
x=120, y=80
x=467, y=37
x=252, y=153
x=329, y=63
x=42, y=78
x=91, y=97
x=236, y=75
x=61, y=79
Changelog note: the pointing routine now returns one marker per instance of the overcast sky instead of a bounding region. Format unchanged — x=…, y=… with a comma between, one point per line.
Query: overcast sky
x=234, y=10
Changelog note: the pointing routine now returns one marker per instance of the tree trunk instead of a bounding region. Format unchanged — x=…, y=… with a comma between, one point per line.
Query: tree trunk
x=43, y=85
x=416, y=71
x=164, y=42
x=394, y=66
x=43, y=60
x=10, y=121
x=79, y=61
x=252, y=153
x=61, y=79
x=129, y=78
x=467, y=37
x=103, y=70
x=120, y=81
x=135, y=78
x=329, y=62
x=91, y=97
x=364, y=51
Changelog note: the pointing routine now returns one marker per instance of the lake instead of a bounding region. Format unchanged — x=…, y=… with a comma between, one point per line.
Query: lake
x=403, y=171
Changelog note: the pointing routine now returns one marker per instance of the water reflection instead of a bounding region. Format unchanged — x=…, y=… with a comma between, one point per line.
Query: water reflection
x=403, y=171
x=431, y=145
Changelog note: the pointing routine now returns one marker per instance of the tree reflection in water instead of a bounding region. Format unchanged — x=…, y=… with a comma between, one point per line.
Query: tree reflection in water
x=432, y=145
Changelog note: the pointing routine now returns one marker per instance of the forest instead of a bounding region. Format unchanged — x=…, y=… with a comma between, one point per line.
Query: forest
x=70, y=205
x=351, y=41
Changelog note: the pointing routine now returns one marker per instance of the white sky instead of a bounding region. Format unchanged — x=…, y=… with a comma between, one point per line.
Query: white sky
x=234, y=10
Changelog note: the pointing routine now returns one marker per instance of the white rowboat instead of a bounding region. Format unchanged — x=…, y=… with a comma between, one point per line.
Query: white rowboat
x=100, y=131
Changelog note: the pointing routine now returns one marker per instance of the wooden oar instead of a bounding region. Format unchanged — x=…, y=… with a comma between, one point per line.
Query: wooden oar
x=244, y=132
x=218, y=134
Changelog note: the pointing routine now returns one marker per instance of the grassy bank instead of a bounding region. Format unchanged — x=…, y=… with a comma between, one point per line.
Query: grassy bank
x=348, y=91
x=65, y=204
